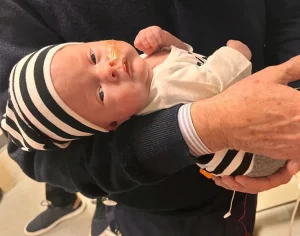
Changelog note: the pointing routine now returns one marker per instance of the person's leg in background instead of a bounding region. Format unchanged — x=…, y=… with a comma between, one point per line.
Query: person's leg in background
x=61, y=206
x=104, y=219
x=114, y=226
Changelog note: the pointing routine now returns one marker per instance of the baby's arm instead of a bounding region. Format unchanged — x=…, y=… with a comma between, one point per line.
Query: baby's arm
x=240, y=47
x=228, y=65
x=150, y=39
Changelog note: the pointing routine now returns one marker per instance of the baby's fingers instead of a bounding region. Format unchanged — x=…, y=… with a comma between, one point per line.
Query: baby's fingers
x=138, y=43
x=152, y=40
x=144, y=45
x=159, y=35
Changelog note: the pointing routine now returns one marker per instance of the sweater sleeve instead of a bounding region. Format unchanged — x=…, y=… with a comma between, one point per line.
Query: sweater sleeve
x=144, y=150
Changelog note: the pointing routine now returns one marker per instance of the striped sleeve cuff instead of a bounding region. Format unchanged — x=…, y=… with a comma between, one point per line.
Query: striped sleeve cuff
x=196, y=146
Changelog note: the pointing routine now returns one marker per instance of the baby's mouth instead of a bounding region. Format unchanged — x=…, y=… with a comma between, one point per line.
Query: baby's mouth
x=126, y=66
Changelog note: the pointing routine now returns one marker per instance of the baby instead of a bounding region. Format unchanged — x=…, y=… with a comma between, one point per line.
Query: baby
x=64, y=92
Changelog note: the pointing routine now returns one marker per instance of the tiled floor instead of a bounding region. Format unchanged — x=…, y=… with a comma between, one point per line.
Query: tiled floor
x=275, y=221
x=22, y=203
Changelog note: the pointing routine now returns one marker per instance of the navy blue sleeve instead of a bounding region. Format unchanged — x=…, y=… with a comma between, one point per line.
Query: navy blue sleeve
x=144, y=150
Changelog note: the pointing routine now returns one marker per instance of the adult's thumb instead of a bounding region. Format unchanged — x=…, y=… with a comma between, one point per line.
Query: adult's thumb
x=293, y=167
x=288, y=71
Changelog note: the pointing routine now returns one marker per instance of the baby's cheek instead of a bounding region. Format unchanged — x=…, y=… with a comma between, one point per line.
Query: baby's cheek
x=127, y=104
x=139, y=67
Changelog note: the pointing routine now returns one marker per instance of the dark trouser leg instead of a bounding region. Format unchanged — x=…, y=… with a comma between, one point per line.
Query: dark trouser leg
x=205, y=221
x=113, y=225
x=59, y=197
x=103, y=217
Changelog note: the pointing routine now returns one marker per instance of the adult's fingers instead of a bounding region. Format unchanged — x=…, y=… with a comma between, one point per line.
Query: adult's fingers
x=293, y=167
x=232, y=184
x=219, y=182
x=284, y=73
x=261, y=184
x=255, y=185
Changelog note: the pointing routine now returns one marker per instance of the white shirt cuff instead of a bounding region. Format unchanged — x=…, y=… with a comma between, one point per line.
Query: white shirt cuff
x=195, y=144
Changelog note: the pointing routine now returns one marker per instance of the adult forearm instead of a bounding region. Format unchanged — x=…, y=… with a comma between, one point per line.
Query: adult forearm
x=258, y=114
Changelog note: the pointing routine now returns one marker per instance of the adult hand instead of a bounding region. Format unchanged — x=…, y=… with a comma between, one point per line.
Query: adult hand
x=255, y=185
x=259, y=114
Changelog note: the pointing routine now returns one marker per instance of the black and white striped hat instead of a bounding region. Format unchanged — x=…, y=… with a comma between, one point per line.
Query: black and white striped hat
x=36, y=118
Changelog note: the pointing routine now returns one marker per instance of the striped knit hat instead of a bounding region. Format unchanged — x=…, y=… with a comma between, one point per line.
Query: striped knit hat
x=36, y=118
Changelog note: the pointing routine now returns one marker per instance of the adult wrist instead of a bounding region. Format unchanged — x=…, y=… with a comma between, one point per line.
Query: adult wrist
x=208, y=121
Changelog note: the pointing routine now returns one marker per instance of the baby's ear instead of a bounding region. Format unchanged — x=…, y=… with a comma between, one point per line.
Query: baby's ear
x=113, y=125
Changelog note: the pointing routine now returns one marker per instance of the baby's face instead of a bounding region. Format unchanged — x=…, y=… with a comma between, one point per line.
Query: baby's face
x=105, y=92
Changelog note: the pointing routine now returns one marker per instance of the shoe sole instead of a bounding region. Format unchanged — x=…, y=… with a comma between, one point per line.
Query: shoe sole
x=77, y=212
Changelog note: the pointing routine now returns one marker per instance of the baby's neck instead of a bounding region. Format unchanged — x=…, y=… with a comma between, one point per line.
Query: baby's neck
x=157, y=58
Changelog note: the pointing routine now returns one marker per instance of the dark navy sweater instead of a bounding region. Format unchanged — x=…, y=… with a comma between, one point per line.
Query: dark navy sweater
x=145, y=163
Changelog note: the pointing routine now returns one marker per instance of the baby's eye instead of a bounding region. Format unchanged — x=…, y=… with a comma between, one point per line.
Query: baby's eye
x=93, y=58
x=101, y=94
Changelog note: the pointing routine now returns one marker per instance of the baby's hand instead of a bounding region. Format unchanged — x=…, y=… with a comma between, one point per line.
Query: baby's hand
x=239, y=46
x=150, y=39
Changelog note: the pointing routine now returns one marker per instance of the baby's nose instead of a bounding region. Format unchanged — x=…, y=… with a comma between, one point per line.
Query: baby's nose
x=108, y=73
x=116, y=64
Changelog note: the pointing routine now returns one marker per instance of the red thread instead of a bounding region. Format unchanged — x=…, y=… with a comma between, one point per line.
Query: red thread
x=243, y=216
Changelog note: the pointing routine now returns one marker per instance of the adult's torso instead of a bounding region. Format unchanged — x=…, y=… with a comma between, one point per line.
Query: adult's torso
x=206, y=25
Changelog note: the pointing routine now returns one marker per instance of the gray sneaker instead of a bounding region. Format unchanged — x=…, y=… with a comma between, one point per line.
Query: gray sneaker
x=51, y=217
